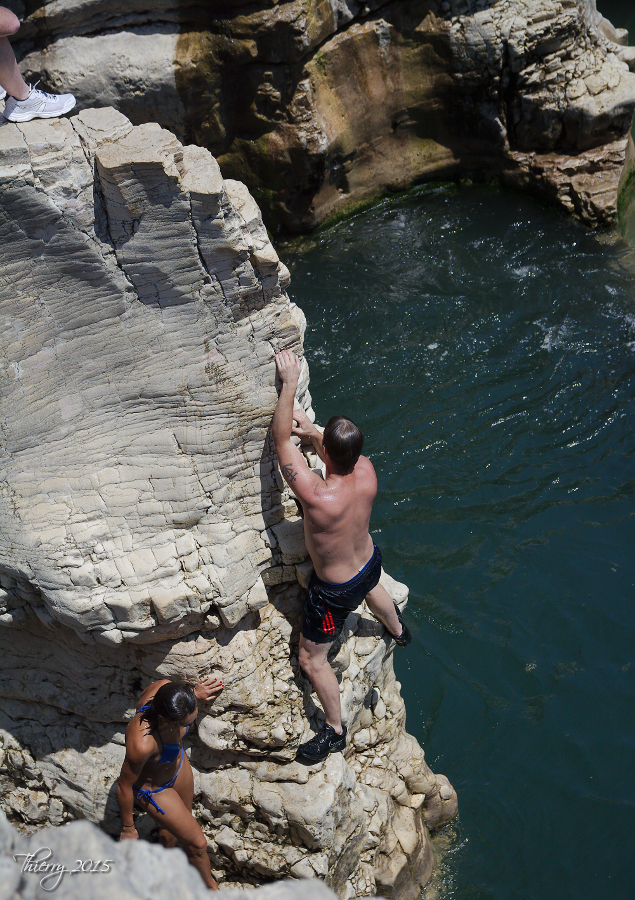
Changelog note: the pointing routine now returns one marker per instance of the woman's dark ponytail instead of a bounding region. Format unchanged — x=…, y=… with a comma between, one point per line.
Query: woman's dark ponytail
x=174, y=701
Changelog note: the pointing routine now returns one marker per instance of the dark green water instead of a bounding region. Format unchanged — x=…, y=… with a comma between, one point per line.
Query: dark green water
x=621, y=14
x=486, y=347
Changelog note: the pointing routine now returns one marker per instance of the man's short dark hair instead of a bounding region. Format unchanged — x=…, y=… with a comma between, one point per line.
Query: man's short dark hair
x=343, y=441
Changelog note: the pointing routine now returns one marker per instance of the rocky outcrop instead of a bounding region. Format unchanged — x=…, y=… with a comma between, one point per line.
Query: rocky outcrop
x=145, y=529
x=584, y=185
x=320, y=105
x=40, y=865
x=626, y=192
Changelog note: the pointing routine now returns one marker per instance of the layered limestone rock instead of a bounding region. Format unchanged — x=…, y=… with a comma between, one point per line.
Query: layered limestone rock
x=145, y=530
x=40, y=865
x=320, y=105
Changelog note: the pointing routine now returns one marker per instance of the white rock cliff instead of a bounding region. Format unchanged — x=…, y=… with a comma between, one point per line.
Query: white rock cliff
x=145, y=530
x=319, y=104
x=34, y=867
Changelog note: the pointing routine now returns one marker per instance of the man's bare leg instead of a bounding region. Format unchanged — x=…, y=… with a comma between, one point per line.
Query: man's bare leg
x=313, y=660
x=10, y=78
x=382, y=606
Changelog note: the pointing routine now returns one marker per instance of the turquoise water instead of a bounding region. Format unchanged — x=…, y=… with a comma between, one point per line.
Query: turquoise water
x=486, y=347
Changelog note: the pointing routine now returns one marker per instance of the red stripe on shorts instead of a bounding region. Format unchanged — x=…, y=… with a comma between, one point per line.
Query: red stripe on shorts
x=328, y=624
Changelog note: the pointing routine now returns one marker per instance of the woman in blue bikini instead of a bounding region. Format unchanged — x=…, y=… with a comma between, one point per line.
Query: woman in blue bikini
x=156, y=773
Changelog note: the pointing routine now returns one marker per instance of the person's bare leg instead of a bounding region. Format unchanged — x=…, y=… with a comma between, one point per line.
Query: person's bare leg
x=382, y=606
x=180, y=822
x=10, y=78
x=167, y=839
x=184, y=786
x=313, y=660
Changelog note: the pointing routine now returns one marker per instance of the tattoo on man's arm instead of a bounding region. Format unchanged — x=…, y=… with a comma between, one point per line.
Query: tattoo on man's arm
x=289, y=474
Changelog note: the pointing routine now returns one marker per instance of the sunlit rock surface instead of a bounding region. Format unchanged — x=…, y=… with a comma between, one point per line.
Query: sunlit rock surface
x=145, y=529
x=320, y=105
x=103, y=869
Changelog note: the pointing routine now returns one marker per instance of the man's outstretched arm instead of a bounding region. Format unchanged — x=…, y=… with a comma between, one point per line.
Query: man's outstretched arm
x=293, y=465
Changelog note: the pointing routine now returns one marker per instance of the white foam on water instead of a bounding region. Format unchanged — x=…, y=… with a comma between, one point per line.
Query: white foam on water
x=555, y=335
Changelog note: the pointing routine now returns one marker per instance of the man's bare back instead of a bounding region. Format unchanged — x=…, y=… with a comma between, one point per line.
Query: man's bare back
x=336, y=510
x=336, y=520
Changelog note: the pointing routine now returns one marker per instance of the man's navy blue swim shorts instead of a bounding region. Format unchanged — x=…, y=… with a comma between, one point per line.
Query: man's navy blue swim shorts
x=327, y=605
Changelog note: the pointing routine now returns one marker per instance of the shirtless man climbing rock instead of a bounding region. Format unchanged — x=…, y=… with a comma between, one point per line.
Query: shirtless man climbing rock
x=346, y=563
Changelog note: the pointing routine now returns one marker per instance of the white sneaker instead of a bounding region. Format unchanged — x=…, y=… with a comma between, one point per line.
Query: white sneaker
x=3, y=93
x=38, y=105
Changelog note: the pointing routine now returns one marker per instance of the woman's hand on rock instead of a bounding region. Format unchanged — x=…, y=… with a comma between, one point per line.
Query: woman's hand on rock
x=208, y=689
x=129, y=834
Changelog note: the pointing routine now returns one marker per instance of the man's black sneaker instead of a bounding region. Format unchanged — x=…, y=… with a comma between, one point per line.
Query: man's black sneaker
x=325, y=741
x=404, y=639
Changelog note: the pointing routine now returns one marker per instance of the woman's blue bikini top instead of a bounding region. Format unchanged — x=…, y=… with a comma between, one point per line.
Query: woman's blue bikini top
x=169, y=752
